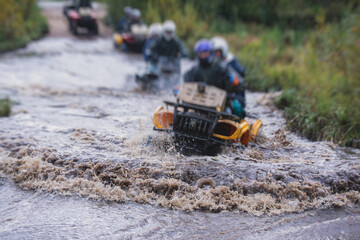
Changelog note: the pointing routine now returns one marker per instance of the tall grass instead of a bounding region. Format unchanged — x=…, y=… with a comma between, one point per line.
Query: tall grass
x=318, y=71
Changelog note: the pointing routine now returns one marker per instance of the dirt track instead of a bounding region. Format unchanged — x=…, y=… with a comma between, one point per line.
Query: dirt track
x=58, y=24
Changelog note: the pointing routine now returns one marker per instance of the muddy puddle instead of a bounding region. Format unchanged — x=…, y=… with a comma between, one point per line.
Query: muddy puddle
x=79, y=159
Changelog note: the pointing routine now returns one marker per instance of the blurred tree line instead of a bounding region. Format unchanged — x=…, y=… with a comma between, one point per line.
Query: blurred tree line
x=20, y=22
x=217, y=13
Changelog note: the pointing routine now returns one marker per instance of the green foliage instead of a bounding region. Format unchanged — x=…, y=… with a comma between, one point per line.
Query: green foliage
x=5, y=107
x=320, y=79
x=20, y=22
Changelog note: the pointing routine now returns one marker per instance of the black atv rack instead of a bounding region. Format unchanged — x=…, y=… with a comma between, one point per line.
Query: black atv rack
x=193, y=128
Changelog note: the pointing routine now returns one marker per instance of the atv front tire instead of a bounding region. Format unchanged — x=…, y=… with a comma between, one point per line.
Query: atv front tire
x=94, y=29
x=73, y=28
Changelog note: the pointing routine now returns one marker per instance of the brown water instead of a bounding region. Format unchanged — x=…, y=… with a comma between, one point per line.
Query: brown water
x=79, y=159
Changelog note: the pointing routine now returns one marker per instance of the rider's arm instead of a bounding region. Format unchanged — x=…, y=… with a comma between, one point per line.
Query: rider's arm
x=183, y=51
x=189, y=76
x=153, y=52
x=236, y=65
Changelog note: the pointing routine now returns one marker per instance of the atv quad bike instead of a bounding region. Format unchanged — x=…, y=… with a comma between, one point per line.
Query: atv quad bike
x=81, y=15
x=198, y=122
x=165, y=75
x=134, y=40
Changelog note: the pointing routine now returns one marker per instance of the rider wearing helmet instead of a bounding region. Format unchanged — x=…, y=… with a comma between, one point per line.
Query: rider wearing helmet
x=209, y=70
x=168, y=45
x=134, y=19
x=227, y=59
x=155, y=32
x=221, y=50
x=125, y=19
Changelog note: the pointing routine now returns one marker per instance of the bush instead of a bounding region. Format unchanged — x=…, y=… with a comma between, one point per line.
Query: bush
x=20, y=22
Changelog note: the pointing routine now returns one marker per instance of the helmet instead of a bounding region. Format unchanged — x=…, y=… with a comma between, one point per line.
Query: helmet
x=127, y=10
x=136, y=13
x=201, y=47
x=169, y=30
x=155, y=29
x=219, y=43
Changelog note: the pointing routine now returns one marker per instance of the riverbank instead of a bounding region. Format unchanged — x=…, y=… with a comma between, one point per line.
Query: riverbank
x=316, y=69
x=20, y=23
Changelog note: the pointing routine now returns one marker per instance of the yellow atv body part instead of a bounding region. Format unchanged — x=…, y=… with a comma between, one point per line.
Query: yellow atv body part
x=163, y=118
x=232, y=131
x=118, y=39
x=255, y=129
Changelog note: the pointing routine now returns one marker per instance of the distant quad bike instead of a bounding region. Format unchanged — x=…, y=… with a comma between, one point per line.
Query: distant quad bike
x=81, y=15
x=133, y=40
x=198, y=122
x=165, y=75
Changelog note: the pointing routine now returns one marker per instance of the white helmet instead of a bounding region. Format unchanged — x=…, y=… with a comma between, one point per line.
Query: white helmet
x=136, y=13
x=127, y=10
x=155, y=29
x=219, y=43
x=169, y=30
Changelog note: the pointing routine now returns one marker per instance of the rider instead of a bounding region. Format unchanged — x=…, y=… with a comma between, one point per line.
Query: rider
x=227, y=59
x=221, y=50
x=168, y=45
x=208, y=70
x=135, y=19
x=155, y=32
x=125, y=19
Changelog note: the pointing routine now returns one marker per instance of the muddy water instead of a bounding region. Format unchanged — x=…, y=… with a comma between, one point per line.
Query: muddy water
x=79, y=159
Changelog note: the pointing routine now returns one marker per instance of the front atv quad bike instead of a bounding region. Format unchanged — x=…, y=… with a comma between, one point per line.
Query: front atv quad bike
x=198, y=121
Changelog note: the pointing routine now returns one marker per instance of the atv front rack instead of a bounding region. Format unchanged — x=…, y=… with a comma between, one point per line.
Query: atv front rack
x=193, y=128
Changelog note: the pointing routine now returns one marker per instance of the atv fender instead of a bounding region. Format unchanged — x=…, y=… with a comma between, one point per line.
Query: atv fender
x=163, y=118
x=255, y=129
x=232, y=131
x=118, y=39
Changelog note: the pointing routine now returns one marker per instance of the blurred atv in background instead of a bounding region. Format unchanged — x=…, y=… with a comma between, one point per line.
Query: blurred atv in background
x=80, y=14
x=133, y=40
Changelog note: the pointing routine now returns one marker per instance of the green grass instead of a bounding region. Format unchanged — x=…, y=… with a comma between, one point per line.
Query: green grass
x=318, y=71
x=5, y=107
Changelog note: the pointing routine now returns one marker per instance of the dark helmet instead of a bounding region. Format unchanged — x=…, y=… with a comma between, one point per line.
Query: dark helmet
x=203, y=50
